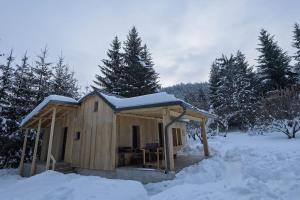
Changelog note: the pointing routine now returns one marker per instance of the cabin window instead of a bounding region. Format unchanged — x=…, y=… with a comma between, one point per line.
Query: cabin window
x=96, y=105
x=179, y=142
x=77, y=135
x=176, y=135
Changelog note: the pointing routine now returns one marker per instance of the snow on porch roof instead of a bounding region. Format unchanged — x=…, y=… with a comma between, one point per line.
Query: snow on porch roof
x=45, y=102
x=150, y=100
x=120, y=103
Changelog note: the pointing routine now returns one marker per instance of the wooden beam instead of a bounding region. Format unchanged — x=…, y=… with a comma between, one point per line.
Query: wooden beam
x=35, y=119
x=143, y=110
x=33, y=164
x=51, y=138
x=176, y=114
x=138, y=116
x=58, y=116
x=21, y=166
x=204, y=138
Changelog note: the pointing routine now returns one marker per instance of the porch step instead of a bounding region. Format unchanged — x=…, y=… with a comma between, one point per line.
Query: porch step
x=65, y=168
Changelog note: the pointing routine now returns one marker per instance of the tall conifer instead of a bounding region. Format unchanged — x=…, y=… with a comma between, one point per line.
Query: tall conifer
x=274, y=68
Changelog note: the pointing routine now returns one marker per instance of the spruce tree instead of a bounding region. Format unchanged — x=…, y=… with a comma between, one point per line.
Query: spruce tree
x=64, y=82
x=22, y=91
x=233, y=94
x=8, y=143
x=147, y=73
x=6, y=75
x=111, y=70
x=214, y=81
x=274, y=68
x=22, y=102
x=296, y=44
x=139, y=77
x=245, y=94
x=42, y=76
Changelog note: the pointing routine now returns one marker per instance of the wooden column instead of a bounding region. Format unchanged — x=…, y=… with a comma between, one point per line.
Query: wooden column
x=113, y=146
x=166, y=120
x=51, y=138
x=21, y=166
x=33, y=164
x=204, y=138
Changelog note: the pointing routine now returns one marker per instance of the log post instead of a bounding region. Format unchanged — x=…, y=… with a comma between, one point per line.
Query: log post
x=21, y=166
x=169, y=158
x=51, y=138
x=33, y=164
x=204, y=138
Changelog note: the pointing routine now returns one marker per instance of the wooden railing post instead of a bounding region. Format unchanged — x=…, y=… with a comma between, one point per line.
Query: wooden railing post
x=51, y=138
x=204, y=138
x=33, y=164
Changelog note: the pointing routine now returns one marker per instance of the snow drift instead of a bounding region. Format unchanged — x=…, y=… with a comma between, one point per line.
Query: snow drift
x=53, y=185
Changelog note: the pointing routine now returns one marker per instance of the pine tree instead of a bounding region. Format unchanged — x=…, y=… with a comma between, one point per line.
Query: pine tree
x=233, y=94
x=6, y=75
x=246, y=94
x=64, y=82
x=149, y=76
x=274, y=67
x=42, y=76
x=139, y=77
x=214, y=81
x=296, y=44
x=22, y=91
x=22, y=102
x=111, y=70
x=8, y=143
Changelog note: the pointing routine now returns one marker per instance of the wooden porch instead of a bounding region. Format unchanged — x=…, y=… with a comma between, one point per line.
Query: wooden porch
x=44, y=120
x=162, y=156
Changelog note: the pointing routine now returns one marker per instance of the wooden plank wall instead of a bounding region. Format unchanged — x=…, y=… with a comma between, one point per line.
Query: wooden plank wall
x=148, y=131
x=94, y=149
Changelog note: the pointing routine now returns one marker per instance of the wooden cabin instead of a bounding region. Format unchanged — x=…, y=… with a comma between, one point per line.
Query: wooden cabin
x=102, y=132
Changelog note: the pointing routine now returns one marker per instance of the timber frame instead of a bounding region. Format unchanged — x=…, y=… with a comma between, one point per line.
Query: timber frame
x=80, y=119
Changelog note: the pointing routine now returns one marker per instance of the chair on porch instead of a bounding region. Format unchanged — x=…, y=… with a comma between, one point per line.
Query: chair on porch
x=152, y=155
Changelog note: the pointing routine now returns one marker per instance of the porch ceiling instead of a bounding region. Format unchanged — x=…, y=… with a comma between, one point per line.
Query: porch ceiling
x=46, y=113
x=157, y=113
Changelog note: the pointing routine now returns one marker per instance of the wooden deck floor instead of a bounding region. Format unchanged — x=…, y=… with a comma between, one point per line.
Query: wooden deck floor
x=182, y=161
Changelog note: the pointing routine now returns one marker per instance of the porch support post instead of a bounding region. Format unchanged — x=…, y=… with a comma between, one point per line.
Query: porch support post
x=51, y=138
x=33, y=164
x=168, y=142
x=21, y=166
x=204, y=138
x=113, y=150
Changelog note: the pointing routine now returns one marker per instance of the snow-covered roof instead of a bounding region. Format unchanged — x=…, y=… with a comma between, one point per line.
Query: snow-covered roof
x=120, y=103
x=150, y=100
x=46, y=101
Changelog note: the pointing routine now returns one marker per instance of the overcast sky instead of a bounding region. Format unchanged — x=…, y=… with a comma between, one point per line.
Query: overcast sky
x=184, y=37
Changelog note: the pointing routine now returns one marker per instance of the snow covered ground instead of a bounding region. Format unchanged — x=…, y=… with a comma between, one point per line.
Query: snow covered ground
x=242, y=167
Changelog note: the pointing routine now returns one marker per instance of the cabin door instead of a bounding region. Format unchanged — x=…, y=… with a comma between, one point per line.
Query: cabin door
x=160, y=134
x=64, y=142
x=135, y=137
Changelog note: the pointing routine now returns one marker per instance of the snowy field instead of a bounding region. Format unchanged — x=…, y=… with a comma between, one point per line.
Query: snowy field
x=242, y=167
